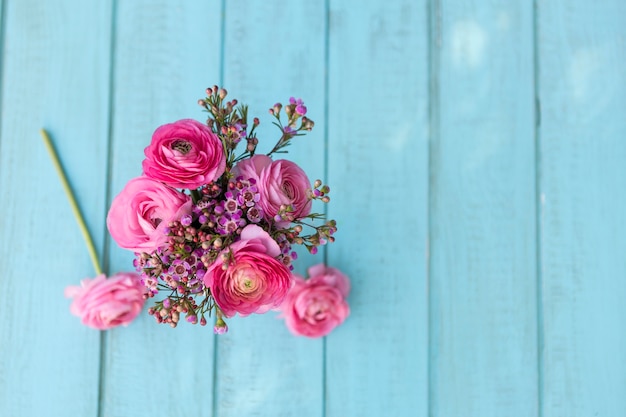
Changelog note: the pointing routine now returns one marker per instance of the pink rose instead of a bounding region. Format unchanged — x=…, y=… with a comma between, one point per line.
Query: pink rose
x=314, y=307
x=184, y=154
x=280, y=182
x=140, y=213
x=254, y=281
x=104, y=303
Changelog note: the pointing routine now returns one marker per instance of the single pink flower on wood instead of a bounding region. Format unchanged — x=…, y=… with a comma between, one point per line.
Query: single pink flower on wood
x=104, y=303
x=314, y=307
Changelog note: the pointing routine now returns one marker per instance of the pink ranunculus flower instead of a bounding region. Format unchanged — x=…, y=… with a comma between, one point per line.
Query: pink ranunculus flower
x=314, y=307
x=251, y=167
x=140, y=213
x=104, y=303
x=280, y=182
x=284, y=183
x=254, y=281
x=184, y=154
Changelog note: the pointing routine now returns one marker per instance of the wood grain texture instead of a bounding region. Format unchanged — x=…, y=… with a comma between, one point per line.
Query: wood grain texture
x=55, y=75
x=165, y=56
x=582, y=50
x=376, y=362
x=271, y=52
x=482, y=213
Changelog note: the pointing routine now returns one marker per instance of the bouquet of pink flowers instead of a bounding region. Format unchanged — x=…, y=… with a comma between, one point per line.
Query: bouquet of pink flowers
x=213, y=230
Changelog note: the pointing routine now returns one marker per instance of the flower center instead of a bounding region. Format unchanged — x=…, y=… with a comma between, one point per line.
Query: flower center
x=181, y=146
x=289, y=190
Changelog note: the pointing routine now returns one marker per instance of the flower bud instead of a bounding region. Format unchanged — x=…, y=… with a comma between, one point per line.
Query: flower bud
x=307, y=124
x=222, y=93
x=220, y=326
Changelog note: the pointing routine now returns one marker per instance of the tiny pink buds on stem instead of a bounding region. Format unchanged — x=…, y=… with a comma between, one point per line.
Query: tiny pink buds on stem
x=220, y=325
x=317, y=183
x=307, y=124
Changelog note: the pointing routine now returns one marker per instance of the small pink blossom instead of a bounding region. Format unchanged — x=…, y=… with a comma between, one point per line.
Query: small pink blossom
x=252, y=280
x=184, y=154
x=104, y=303
x=314, y=307
x=140, y=213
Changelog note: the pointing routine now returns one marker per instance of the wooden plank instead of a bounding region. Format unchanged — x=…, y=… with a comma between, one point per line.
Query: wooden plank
x=483, y=245
x=55, y=64
x=165, y=56
x=377, y=362
x=259, y=363
x=582, y=88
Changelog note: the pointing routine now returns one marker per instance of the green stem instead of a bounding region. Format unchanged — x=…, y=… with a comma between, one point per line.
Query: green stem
x=72, y=199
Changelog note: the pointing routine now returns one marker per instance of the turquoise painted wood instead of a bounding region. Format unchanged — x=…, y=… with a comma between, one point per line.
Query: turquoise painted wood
x=483, y=315
x=475, y=151
x=55, y=72
x=582, y=91
x=378, y=168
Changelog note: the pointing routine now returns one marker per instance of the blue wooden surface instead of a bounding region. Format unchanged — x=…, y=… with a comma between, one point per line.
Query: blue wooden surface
x=475, y=152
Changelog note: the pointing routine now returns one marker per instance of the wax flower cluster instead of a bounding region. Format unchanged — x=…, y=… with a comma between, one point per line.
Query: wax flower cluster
x=213, y=227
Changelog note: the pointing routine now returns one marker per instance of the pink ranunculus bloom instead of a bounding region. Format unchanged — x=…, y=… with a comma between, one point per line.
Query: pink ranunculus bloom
x=284, y=183
x=104, y=303
x=254, y=281
x=140, y=213
x=280, y=182
x=251, y=167
x=184, y=154
x=314, y=307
